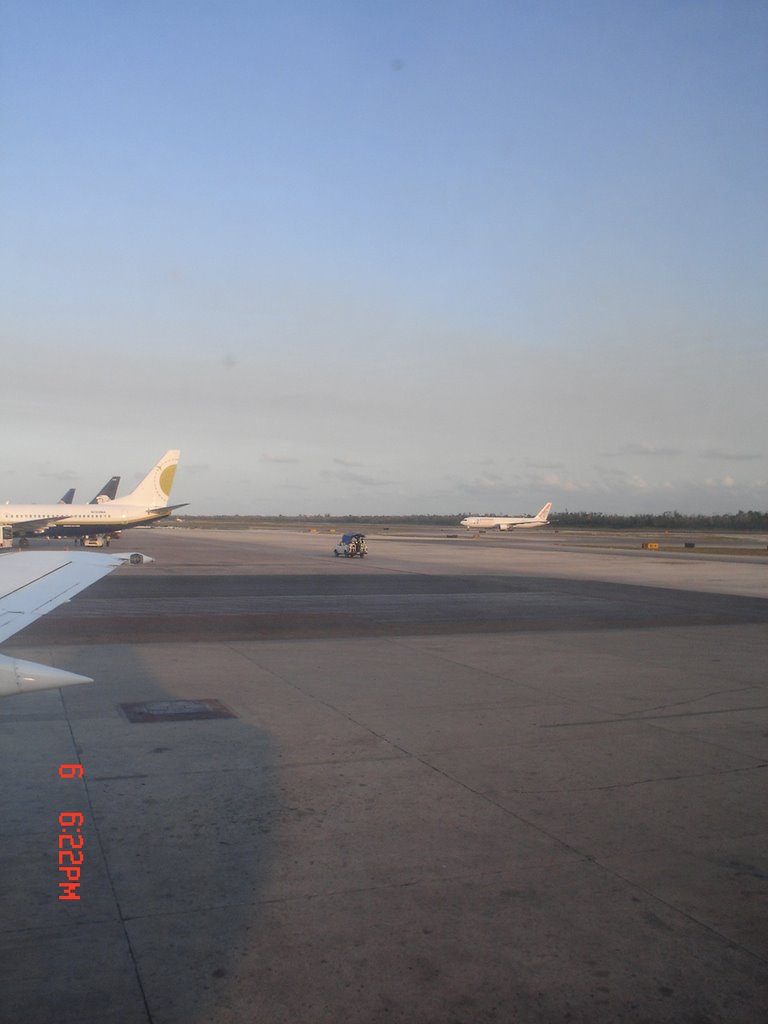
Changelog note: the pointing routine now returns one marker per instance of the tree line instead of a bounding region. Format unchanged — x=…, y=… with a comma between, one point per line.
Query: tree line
x=738, y=521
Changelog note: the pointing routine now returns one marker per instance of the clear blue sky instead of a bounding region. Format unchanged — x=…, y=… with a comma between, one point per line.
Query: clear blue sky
x=387, y=257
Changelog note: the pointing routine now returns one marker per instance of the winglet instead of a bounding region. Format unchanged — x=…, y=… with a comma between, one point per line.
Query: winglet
x=17, y=676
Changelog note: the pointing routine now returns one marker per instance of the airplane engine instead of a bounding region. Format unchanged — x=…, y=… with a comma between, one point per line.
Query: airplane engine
x=503, y=526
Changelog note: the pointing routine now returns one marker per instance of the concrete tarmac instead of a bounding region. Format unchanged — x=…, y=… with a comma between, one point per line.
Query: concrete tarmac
x=465, y=780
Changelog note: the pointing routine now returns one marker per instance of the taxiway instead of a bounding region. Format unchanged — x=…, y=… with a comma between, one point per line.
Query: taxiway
x=462, y=782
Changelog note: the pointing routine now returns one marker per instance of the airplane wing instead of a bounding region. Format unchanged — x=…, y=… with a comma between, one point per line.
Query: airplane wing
x=33, y=583
x=35, y=524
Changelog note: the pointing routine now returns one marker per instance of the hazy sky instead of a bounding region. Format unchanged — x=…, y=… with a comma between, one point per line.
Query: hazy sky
x=407, y=256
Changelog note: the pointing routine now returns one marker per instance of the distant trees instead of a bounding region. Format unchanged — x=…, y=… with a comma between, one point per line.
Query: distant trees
x=739, y=521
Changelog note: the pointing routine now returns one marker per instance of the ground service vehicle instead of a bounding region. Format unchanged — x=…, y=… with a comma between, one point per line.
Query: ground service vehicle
x=96, y=540
x=351, y=544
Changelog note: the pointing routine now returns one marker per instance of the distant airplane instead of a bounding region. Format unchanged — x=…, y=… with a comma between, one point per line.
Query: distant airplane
x=508, y=522
x=145, y=504
x=107, y=493
x=33, y=583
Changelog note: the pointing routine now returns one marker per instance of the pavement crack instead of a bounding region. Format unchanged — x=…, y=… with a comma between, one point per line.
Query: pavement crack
x=703, y=696
x=108, y=872
x=639, y=782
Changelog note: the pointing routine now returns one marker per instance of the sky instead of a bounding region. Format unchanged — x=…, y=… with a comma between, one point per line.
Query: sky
x=393, y=257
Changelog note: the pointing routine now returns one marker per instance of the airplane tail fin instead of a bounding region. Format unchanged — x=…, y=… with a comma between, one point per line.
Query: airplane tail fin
x=107, y=492
x=155, y=489
x=543, y=514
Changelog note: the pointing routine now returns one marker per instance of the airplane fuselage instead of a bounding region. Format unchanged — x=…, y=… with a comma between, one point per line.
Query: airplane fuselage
x=36, y=519
x=502, y=522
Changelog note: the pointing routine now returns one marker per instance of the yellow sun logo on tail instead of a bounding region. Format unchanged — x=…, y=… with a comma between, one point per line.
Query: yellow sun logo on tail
x=166, y=479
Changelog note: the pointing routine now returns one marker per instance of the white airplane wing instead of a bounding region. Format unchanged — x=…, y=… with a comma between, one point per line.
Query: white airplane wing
x=33, y=583
x=34, y=522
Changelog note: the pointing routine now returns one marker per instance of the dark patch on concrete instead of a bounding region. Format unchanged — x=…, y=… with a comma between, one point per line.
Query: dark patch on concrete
x=251, y=607
x=175, y=711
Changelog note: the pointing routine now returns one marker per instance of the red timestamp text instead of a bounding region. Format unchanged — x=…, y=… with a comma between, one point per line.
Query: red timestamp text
x=70, y=840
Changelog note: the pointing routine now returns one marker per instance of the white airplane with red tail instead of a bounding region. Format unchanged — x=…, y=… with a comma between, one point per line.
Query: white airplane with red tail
x=508, y=522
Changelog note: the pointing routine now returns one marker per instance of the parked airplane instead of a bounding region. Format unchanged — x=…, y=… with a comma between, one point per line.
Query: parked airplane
x=32, y=583
x=145, y=504
x=508, y=522
x=107, y=493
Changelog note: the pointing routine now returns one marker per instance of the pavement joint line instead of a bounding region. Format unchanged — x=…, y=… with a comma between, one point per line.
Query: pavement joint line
x=706, y=696
x=47, y=929
x=420, y=882
x=671, y=907
x=652, y=896
x=247, y=768
x=641, y=782
x=563, y=698
x=641, y=717
x=575, y=851
x=397, y=641
x=107, y=870
x=616, y=786
x=568, y=699
x=330, y=894
x=121, y=778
